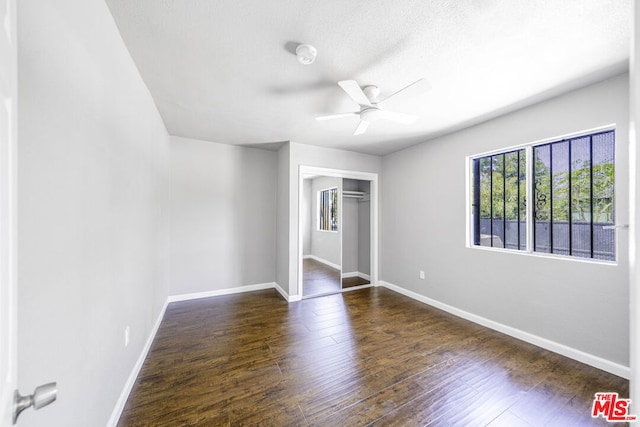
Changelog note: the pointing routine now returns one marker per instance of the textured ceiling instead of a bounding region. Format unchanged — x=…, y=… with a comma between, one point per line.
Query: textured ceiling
x=224, y=70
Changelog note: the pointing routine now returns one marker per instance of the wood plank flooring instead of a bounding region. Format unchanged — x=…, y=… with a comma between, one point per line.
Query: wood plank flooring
x=320, y=279
x=369, y=357
x=350, y=282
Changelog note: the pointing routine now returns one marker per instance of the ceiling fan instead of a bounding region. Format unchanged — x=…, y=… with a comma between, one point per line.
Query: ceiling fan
x=370, y=111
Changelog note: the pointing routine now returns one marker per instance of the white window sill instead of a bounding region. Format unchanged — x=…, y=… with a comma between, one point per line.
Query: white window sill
x=545, y=255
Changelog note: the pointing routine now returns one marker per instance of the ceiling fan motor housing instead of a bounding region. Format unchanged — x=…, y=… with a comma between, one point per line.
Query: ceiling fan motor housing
x=372, y=92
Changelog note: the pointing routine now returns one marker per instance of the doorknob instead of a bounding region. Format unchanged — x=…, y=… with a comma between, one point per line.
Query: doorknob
x=41, y=397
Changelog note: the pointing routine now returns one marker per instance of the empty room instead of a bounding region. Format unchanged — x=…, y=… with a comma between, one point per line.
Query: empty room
x=329, y=213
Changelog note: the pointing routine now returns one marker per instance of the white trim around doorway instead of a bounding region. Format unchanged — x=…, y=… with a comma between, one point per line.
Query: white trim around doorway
x=340, y=173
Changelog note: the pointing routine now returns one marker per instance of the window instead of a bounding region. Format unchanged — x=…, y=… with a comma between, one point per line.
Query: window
x=328, y=206
x=572, y=182
x=499, y=200
x=573, y=196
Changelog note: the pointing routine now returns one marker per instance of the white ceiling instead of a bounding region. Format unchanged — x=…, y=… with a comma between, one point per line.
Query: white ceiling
x=224, y=71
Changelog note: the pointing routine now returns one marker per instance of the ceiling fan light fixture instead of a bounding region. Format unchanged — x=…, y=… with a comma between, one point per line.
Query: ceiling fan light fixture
x=367, y=98
x=370, y=114
x=306, y=54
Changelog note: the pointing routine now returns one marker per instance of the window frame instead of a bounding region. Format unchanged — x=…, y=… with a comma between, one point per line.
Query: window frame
x=530, y=223
x=319, y=209
x=477, y=237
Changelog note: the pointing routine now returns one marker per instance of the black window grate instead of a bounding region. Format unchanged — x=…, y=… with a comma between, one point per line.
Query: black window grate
x=573, y=189
x=572, y=198
x=499, y=189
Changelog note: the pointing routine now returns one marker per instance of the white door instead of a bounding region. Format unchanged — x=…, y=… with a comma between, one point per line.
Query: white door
x=8, y=173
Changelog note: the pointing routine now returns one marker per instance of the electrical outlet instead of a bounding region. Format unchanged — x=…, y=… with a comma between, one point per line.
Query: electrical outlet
x=126, y=336
x=422, y=274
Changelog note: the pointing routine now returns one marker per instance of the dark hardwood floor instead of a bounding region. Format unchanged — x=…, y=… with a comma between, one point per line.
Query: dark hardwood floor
x=366, y=357
x=350, y=282
x=320, y=279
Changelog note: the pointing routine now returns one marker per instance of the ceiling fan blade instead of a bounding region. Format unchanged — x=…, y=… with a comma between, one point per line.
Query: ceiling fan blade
x=416, y=88
x=362, y=127
x=337, y=116
x=355, y=92
x=406, y=119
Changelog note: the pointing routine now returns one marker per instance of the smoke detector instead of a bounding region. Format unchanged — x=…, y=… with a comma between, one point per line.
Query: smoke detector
x=306, y=54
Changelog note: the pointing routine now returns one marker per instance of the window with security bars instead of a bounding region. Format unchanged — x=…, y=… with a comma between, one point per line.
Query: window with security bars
x=572, y=183
x=499, y=192
x=328, y=205
x=573, y=209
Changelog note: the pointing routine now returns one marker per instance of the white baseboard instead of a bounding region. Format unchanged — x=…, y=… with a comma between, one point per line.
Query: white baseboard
x=124, y=395
x=227, y=291
x=579, y=355
x=285, y=295
x=282, y=292
x=324, y=261
x=236, y=290
x=355, y=274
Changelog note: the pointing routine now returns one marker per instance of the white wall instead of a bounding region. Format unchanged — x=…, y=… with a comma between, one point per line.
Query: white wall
x=8, y=209
x=364, y=234
x=223, y=216
x=326, y=245
x=356, y=232
x=634, y=255
x=306, y=218
x=349, y=235
x=282, y=217
x=93, y=223
x=584, y=306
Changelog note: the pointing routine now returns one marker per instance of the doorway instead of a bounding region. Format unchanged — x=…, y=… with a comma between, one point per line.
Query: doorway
x=343, y=257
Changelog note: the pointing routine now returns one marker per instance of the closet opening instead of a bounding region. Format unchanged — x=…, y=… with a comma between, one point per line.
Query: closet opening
x=337, y=231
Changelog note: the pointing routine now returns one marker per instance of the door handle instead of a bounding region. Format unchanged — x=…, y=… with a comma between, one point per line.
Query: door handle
x=41, y=397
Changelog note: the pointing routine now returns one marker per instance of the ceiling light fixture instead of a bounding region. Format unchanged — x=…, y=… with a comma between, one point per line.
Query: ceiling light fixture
x=306, y=54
